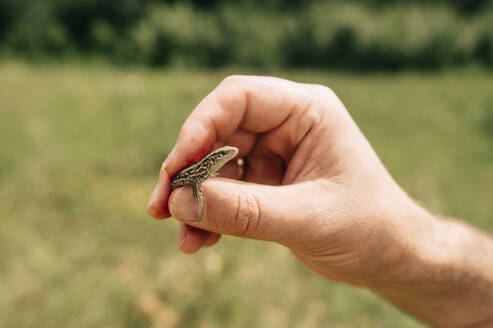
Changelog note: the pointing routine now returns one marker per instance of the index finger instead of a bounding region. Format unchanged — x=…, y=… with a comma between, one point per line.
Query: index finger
x=253, y=103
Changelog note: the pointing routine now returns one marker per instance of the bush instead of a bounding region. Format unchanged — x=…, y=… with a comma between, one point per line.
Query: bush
x=362, y=35
x=348, y=35
x=179, y=35
x=252, y=37
x=37, y=33
x=483, y=50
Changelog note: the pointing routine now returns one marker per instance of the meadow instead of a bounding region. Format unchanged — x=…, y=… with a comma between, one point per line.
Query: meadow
x=80, y=149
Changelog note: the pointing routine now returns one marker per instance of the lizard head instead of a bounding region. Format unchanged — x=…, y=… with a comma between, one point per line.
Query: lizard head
x=222, y=155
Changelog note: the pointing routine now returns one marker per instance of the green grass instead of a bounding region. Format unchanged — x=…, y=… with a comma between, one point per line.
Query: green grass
x=80, y=148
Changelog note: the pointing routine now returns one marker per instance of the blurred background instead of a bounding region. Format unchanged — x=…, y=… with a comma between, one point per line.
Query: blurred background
x=92, y=96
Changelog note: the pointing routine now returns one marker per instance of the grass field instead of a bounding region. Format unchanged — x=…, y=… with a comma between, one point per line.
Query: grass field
x=80, y=148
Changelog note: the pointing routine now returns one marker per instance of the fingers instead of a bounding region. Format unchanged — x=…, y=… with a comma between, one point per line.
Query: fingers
x=284, y=214
x=241, y=139
x=212, y=239
x=158, y=202
x=238, y=109
x=255, y=104
x=191, y=239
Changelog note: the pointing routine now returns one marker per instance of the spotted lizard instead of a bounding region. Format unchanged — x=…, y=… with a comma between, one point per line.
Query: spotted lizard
x=206, y=168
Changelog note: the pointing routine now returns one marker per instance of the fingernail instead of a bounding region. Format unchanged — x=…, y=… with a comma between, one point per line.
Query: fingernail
x=183, y=207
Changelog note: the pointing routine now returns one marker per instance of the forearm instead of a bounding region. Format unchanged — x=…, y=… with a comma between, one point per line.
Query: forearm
x=447, y=280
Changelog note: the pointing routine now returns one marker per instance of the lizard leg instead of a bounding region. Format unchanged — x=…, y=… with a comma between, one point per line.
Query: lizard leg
x=196, y=193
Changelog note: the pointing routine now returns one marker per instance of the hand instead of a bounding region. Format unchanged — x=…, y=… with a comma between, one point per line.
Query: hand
x=313, y=183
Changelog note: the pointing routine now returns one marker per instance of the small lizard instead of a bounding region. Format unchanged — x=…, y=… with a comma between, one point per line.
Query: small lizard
x=197, y=173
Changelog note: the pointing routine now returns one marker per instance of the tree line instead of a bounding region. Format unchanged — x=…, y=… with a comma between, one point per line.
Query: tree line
x=358, y=35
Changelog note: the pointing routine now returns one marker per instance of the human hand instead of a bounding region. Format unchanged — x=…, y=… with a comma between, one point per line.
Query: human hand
x=313, y=182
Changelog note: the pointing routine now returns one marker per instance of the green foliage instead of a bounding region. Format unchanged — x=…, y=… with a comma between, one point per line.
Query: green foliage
x=179, y=35
x=255, y=42
x=395, y=37
x=362, y=35
x=483, y=49
x=36, y=32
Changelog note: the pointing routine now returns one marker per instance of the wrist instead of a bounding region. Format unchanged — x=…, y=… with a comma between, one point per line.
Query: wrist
x=444, y=274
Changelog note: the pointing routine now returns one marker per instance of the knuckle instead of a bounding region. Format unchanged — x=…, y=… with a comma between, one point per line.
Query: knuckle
x=247, y=217
x=230, y=93
x=322, y=90
x=231, y=80
x=327, y=98
x=325, y=93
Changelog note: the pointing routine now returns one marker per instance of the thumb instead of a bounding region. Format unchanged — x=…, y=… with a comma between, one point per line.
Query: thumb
x=285, y=214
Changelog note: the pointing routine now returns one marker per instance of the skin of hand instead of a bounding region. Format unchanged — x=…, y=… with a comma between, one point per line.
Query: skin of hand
x=315, y=185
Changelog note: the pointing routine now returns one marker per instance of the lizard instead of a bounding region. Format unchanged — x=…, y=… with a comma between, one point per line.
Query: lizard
x=204, y=169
